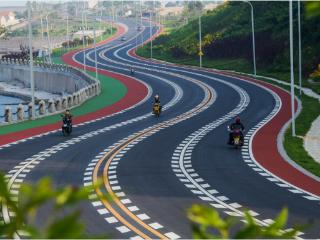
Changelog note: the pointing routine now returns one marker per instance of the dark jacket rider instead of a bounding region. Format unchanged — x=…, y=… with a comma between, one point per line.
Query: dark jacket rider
x=237, y=125
x=157, y=100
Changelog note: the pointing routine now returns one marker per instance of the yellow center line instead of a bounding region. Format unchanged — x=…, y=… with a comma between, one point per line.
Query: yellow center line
x=110, y=191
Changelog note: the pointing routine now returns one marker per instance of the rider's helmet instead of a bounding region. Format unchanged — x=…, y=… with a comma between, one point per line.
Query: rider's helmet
x=156, y=96
x=238, y=120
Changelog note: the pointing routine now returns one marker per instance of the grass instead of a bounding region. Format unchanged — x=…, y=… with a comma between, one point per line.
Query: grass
x=239, y=65
x=294, y=145
x=310, y=106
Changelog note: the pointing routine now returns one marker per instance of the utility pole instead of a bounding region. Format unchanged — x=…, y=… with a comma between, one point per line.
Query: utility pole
x=101, y=25
x=299, y=29
x=292, y=70
x=150, y=25
x=41, y=24
x=95, y=52
x=253, y=38
x=48, y=38
x=68, y=39
x=31, y=61
x=83, y=43
x=200, y=42
x=141, y=21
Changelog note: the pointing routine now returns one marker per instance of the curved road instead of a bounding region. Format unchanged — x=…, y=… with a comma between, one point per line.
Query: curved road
x=158, y=168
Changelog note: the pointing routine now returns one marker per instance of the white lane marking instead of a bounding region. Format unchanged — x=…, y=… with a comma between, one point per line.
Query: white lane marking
x=158, y=127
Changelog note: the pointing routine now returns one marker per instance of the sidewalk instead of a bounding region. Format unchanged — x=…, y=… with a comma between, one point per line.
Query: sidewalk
x=312, y=140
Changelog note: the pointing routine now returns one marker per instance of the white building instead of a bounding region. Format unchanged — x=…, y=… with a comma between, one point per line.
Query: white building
x=92, y=3
x=8, y=18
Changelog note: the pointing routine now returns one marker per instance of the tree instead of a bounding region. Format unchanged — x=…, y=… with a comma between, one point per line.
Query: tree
x=3, y=31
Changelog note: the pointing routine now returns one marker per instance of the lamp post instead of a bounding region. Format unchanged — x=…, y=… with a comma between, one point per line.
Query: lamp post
x=291, y=70
x=299, y=29
x=31, y=60
x=48, y=38
x=84, y=45
x=101, y=25
x=141, y=21
x=200, y=42
x=253, y=39
x=68, y=39
x=95, y=53
x=150, y=35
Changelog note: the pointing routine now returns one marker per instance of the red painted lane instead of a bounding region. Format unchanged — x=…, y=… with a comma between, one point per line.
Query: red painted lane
x=269, y=157
x=136, y=91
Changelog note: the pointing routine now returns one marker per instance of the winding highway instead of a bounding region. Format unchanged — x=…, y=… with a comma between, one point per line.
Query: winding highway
x=158, y=167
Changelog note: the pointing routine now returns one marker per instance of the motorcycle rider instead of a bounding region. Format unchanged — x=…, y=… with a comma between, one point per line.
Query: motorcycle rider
x=157, y=100
x=237, y=125
x=67, y=116
x=131, y=70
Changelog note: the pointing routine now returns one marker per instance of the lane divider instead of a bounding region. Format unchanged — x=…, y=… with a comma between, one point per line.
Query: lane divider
x=120, y=208
x=181, y=163
x=297, y=181
x=17, y=175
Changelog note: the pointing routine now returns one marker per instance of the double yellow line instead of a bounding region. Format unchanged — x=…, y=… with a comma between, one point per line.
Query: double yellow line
x=110, y=155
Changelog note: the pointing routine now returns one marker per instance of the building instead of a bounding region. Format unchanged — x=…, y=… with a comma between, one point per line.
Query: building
x=8, y=18
x=92, y=3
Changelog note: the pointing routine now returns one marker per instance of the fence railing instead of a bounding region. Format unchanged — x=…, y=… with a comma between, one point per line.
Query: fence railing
x=52, y=106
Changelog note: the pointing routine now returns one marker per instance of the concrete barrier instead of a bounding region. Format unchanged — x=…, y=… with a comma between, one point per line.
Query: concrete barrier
x=51, y=106
x=42, y=107
x=30, y=109
x=56, y=79
x=20, y=112
x=8, y=114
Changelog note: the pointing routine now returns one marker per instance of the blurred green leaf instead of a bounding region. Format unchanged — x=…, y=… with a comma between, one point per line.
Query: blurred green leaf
x=67, y=227
x=205, y=221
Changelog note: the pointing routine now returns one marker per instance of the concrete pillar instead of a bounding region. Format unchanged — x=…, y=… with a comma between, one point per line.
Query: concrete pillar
x=42, y=107
x=87, y=92
x=8, y=114
x=78, y=98
x=64, y=103
x=30, y=107
x=51, y=106
x=20, y=112
x=70, y=101
x=58, y=105
x=75, y=99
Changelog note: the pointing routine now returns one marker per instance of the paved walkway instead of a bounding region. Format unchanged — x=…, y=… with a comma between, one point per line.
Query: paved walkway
x=312, y=140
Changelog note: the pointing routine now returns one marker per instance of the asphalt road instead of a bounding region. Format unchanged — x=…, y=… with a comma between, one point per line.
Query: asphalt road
x=145, y=175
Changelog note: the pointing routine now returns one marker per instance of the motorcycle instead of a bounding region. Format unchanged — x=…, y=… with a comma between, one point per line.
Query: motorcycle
x=156, y=109
x=236, y=137
x=66, y=126
x=132, y=71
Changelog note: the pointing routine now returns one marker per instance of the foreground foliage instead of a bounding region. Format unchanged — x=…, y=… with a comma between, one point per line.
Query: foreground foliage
x=208, y=224
x=63, y=219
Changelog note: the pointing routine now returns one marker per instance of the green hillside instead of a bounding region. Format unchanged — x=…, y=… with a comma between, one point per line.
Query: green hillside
x=227, y=42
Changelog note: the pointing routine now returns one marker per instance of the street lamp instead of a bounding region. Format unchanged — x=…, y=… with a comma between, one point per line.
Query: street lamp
x=95, y=52
x=150, y=19
x=291, y=70
x=200, y=42
x=68, y=39
x=299, y=29
x=48, y=38
x=253, y=39
x=83, y=43
x=31, y=61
